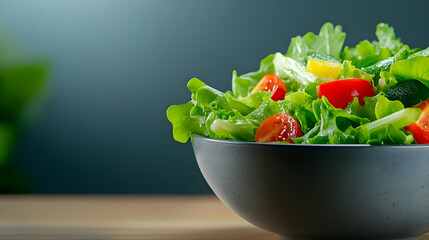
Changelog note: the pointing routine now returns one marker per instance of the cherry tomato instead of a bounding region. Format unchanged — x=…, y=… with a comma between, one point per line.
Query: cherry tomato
x=281, y=127
x=272, y=83
x=420, y=128
x=340, y=92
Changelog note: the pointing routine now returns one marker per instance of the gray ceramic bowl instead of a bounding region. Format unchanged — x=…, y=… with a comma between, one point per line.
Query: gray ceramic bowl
x=321, y=191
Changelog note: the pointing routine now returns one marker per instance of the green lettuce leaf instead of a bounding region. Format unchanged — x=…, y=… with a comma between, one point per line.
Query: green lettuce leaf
x=193, y=85
x=412, y=68
x=385, y=107
x=423, y=53
x=236, y=127
x=348, y=70
x=208, y=97
x=183, y=124
x=388, y=135
x=254, y=100
x=387, y=38
x=333, y=126
x=384, y=65
x=365, y=111
x=366, y=53
x=329, y=42
x=192, y=117
x=374, y=108
x=305, y=117
x=293, y=73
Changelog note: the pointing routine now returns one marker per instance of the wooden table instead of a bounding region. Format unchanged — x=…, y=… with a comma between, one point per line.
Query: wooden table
x=122, y=217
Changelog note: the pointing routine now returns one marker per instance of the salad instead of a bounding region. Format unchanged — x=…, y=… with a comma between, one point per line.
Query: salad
x=318, y=93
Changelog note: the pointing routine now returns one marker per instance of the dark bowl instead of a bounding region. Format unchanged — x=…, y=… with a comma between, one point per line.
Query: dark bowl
x=321, y=191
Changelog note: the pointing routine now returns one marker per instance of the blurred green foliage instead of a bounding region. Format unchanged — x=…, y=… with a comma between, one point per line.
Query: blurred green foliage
x=21, y=83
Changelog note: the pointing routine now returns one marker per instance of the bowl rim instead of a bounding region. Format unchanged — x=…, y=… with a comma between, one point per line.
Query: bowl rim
x=233, y=142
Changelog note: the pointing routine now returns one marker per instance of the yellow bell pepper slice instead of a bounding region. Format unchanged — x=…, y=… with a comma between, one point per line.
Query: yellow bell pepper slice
x=324, y=69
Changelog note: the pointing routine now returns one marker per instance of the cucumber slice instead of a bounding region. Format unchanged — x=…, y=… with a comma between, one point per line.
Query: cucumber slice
x=409, y=92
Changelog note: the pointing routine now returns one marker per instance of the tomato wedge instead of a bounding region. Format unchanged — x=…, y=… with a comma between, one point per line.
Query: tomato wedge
x=272, y=83
x=340, y=92
x=281, y=127
x=420, y=128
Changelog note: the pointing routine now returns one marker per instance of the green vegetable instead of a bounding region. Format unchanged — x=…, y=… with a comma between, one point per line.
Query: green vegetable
x=384, y=65
x=329, y=42
x=350, y=71
x=293, y=73
x=409, y=92
x=385, y=81
x=387, y=130
x=365, y=111
x=183, y=124
x=412, y=68
x=385, y=107
x=235, y=128
x=387, y=38
x=333, y=126
x=397, y=120
x=423, y=53
x=386, y=135
x=366, y=53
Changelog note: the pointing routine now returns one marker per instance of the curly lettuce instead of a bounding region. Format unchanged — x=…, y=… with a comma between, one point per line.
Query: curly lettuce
x=399, y=74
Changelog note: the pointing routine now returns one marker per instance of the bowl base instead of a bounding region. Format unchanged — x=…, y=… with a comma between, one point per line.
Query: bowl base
x=299, y=238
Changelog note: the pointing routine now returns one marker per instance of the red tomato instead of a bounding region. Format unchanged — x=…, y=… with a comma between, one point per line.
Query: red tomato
x=340, y=92
x=281, y=127
x=272, y=83
x=420, y=128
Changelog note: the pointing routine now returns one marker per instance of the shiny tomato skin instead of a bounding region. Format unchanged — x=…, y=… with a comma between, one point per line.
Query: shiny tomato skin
x=340, y=92
x=281, y=127
x=278, y=93
x=420, y=135
x=272, y=83
x=420, y=128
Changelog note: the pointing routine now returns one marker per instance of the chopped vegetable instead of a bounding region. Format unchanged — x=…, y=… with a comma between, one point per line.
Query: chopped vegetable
x=281, y=127
x=420, y=128
x=340, y=92
x=409, y=92
x=324, y=69
x=272, y=83
x=397, y=120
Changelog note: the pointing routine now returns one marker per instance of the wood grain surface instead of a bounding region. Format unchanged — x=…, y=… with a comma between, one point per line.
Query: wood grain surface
x=122, y=217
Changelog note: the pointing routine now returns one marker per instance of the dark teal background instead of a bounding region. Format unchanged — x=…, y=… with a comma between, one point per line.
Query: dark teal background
x=117, y=65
